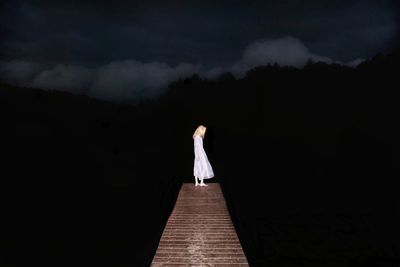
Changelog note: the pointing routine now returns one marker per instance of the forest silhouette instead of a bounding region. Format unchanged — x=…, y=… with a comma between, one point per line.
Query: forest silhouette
x=97, y=180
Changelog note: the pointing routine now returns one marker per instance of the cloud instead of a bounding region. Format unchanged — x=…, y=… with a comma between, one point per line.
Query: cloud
x=131, y=80
x=286, y=51
x=66, y=78
x=119, y=81
x=354, y=63
x=19, y=72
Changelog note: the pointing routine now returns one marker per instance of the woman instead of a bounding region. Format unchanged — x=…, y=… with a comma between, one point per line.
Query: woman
x=202, y=168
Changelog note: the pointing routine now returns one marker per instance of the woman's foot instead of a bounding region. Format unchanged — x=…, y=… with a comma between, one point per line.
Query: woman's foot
x=202, y=182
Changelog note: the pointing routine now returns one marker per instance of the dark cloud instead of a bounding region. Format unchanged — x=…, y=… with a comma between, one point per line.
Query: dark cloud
x=123, y=49
x=286, y=51
x=201, y=32
x=133, y=80
x=130, y=80
x=127, y=80
x=67, y=78
x=19, y=72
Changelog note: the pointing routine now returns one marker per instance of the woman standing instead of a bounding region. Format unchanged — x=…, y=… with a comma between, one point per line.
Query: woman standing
x=202, y=168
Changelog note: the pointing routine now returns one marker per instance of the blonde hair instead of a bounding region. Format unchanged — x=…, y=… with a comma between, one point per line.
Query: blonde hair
x=201, y=130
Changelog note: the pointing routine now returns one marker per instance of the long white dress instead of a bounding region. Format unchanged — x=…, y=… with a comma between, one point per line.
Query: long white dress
x=202, y=167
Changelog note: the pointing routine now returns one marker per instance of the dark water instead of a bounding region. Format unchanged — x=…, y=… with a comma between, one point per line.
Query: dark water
x=59, y=214
x=291, y=208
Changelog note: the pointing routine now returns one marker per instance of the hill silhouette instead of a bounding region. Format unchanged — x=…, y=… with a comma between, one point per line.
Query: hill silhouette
x=321, y=139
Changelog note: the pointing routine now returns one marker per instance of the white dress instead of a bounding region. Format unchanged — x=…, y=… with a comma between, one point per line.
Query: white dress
x=202, y=167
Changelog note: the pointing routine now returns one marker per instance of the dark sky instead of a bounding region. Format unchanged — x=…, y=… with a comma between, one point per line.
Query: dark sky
x=89, y=45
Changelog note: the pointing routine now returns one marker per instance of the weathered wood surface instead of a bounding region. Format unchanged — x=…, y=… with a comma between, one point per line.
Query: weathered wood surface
x=199, y=231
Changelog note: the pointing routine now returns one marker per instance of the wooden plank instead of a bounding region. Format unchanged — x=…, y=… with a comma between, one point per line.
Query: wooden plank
x=199, y=231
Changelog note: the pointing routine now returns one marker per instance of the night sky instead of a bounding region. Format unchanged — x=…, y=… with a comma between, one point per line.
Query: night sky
x=132, y=49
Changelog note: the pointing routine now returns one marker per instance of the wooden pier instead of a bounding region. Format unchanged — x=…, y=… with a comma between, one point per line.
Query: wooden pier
x=199, y=231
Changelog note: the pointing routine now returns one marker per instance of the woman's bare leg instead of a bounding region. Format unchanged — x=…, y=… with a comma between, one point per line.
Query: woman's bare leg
x=197, y=183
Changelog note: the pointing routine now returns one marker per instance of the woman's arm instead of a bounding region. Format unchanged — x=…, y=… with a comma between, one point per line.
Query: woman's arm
x=196, y=148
